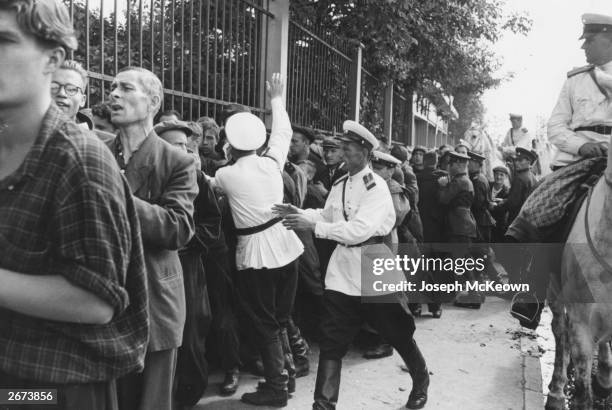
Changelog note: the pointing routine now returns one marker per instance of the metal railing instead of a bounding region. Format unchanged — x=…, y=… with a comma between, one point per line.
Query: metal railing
x=319, y=68
x=402, y=116
x=206, y=52
x=371, y=113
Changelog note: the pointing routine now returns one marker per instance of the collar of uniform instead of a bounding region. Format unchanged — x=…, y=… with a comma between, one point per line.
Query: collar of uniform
x=458, y=175
x=522, y=170
x=360, y=174
x=607, y=67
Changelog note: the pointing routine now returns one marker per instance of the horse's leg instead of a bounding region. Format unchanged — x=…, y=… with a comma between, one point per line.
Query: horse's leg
x=581, y=343
x=556, y=398
x=602, y=382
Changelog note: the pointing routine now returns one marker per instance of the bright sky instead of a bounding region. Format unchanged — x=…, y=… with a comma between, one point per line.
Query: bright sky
x=539, y=60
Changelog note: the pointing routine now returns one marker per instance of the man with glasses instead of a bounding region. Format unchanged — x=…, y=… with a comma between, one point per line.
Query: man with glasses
x=68, y=91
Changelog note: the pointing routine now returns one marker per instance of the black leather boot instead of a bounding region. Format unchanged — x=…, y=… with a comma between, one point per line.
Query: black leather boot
x=327, y=387
x=274, y=393
x=379, y=351
x=230, y=383
x=300, y=350
x=418, y=371
x=289, y=364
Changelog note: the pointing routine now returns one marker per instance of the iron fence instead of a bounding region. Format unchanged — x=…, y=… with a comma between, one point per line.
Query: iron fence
x=319, y=69
x=371, y=112
x=402, y=116
x=206, y=52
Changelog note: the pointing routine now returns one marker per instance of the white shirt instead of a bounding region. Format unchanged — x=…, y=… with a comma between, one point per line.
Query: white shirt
x=580, y=104
x=370, y=212
x=253, y=185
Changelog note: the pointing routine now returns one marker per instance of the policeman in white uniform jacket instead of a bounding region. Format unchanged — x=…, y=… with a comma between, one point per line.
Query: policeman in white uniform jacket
x=581, y=122
x=358, y=213
x=266, y=251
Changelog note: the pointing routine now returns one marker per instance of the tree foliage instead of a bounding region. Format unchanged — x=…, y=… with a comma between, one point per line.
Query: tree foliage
x=415, y=43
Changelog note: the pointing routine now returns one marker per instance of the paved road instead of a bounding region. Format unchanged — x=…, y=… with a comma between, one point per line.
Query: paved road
x=478, y=360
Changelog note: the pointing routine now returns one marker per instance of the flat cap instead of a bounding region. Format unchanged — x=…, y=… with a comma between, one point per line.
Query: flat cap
x=525, y=153
x=330, y=142
x=595, y=23
x=475, y=156
x=355, y=132
x=502, y=168
x=515, y=115
x=399, y=152
x=419, y=148
x=307, y=132
x=454, y=155
x=385, y=159
x=176, y=125
x=245, y=131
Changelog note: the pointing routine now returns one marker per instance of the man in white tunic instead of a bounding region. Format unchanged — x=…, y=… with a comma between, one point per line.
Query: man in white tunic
x=358, y=213
x=266, y=251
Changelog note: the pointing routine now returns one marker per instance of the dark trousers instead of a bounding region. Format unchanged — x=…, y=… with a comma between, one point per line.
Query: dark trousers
x=343, y=316
x=267, y=297
x=94, y=396
x=152, y=389
x=224, y=328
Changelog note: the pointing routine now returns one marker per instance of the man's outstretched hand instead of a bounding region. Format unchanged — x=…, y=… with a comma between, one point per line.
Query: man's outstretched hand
x=283, y=210
x=275, y=86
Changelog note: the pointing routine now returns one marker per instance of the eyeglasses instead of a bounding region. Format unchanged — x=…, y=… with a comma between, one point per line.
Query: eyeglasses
x=70, y=89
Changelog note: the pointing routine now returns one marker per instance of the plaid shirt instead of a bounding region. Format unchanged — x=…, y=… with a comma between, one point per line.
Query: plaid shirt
x=68, y=211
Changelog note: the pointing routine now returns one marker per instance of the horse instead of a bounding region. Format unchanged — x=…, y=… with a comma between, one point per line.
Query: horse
x=581, y=301
x=477, y=140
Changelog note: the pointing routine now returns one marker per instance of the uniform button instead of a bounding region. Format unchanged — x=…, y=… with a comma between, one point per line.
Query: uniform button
x=11, y=187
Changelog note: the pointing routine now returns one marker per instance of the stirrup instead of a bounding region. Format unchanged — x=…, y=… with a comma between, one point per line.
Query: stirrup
x=521, y=299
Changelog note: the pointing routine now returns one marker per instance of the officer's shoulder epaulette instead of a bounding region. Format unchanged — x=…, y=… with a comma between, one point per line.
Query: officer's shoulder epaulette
x=368, y=180
x=342, y=178
x=579, y=70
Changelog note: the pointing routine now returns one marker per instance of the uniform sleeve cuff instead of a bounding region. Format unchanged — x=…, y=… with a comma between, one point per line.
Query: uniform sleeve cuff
x=573, y=145
x=320, y=230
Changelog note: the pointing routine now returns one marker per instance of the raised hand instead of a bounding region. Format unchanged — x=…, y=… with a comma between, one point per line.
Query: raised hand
x=275, y=86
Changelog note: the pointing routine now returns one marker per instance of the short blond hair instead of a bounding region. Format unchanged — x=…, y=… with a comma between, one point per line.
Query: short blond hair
x=77, y=68
x=47, y=20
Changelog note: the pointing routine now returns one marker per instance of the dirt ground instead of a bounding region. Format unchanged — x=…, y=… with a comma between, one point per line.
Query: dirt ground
x=478, y=360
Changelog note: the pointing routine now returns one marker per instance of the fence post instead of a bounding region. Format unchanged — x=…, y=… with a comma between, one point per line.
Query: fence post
x=277, y=50
x=388, y=113
x=354, y=86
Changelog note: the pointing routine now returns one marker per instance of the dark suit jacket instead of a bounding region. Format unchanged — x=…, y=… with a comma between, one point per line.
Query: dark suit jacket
x=163, y=182
x=458, y=196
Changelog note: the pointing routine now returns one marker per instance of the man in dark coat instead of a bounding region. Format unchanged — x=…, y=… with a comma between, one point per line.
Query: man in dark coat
x=432, y=215
x=499, y=192
x=482, y=197
x=191, y=367
x=457, y=193
x=523, y=183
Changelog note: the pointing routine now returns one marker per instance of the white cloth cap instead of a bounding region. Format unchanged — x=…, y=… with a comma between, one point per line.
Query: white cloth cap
x=357, y=129
x=387, y=159
x=245, y=131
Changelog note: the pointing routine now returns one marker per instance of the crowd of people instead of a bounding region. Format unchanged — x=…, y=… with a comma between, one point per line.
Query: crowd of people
x=140, y=248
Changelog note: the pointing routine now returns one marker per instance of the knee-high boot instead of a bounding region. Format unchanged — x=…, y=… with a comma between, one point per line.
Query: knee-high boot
x=327, y=387
x=418, y=371
x=299, y=348
x=275, y=391
x=289, y=364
